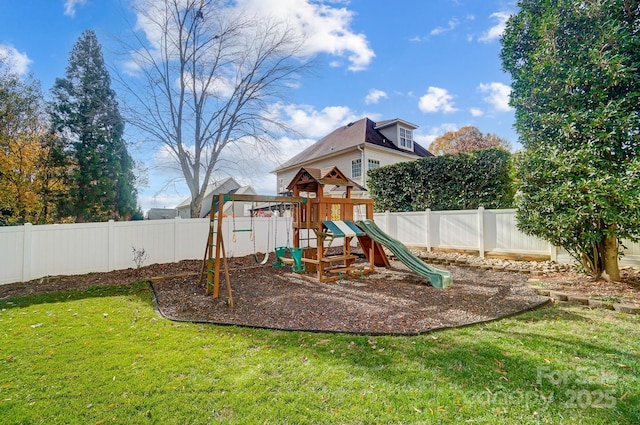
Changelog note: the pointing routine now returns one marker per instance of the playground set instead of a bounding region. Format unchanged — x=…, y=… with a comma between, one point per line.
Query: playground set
x=317, y=221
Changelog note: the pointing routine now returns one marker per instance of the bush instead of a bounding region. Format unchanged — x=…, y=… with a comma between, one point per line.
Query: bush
x=449, y=182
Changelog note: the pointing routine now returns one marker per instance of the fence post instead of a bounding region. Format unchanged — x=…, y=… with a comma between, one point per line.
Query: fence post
x=427, y=215
x=553, y=252
x=111, y=246
x=481, y=231
x=26, y=252
x=387, y=222
x=176, y=235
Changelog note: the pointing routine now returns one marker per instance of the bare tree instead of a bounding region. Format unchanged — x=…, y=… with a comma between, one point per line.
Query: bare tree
x=202, y=77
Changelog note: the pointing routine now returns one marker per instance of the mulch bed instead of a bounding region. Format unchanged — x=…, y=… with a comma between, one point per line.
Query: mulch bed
x=388, y=301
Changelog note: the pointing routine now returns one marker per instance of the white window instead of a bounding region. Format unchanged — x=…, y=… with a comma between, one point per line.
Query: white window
x=406, y=138
x=281, y=186
x=373, y=163
x=356, y=168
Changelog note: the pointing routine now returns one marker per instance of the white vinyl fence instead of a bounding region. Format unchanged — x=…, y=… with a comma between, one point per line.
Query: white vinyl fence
x=478, y=230
x=481, y=230
x=31, y=252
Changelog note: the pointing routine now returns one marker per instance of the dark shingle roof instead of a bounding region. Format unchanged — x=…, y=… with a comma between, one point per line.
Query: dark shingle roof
x=347, y=137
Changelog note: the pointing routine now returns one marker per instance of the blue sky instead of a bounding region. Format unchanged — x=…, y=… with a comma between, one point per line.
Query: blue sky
x=434, y=63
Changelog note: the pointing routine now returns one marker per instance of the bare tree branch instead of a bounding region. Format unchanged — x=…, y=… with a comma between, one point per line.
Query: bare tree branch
x=203, y=78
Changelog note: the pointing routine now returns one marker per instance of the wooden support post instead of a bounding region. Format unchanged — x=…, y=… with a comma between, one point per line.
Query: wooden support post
x=219, y=246
x=206, y=261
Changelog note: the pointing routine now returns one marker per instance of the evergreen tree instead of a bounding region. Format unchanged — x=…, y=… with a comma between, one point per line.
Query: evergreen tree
x=575, y=67
x=85, y=115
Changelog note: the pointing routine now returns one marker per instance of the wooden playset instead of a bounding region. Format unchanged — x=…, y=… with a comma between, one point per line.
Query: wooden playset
x=317, y=220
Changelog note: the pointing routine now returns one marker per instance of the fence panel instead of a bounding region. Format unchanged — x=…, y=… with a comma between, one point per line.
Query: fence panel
x=155, y=237
x=455, y=229
x=30, y=252
x=411, y=228
x=12, y=258
x=58, y=249
x=631, y=254
x=503, y=236
x=191, y=238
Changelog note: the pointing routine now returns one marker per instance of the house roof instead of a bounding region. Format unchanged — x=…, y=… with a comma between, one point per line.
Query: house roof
x=210, y=189
x=354, y=134
x=244, y=190
x=387, y=123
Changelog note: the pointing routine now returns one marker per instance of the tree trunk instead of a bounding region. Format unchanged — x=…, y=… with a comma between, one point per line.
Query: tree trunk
x=196, y=206
x=611, y=269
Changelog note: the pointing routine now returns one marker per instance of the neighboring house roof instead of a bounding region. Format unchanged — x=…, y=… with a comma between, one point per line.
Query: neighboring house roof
x=210, y=189
x=244, y=190
x=161, y=213
x=352, y=135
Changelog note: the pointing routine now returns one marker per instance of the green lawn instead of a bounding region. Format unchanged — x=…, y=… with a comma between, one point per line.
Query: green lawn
x=104, y=356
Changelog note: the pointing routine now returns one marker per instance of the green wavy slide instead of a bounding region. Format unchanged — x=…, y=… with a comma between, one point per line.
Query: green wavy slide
x=438, y=278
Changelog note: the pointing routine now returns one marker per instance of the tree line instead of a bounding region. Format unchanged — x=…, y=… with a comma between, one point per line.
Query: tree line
x=64, y=160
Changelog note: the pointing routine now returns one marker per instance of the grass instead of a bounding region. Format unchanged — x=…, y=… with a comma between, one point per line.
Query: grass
x=104, y=356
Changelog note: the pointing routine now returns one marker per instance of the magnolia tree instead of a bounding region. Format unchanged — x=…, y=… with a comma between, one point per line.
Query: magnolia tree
x=576, y=93
x=201, y=77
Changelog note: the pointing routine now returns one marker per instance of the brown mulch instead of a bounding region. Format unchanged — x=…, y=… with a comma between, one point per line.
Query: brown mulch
x=387, y=301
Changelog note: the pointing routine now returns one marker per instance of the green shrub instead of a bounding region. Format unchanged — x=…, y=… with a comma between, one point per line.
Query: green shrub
x=449, y=182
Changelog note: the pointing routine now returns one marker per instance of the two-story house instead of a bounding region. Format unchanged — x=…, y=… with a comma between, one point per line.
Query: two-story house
x=356, y=148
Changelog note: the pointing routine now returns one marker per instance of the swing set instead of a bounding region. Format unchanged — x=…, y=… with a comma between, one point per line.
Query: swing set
x=215, y=254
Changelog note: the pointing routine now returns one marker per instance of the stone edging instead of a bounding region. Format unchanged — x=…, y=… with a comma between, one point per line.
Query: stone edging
x=531, y=268
x=563, y=297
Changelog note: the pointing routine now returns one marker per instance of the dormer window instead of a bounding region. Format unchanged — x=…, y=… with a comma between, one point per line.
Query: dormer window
x=405, y=140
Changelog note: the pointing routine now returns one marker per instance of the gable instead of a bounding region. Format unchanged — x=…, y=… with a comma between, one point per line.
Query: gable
x=309, y=179
x=348, y=138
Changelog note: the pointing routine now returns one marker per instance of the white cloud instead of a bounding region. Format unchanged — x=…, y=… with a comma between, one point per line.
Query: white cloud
x=495, y=31
x=497, y=95
x=311, y=123
x=323, y=27
x=451, y=25
x=289, y=147
x=436, y=100
x=17, y=62
x=374, y=96
x=476, y=112
x=434, y=132
x=326, y=29
x=70, y=6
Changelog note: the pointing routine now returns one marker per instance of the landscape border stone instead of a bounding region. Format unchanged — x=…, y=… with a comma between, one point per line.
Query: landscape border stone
x=534, y=269
x=627, y=308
